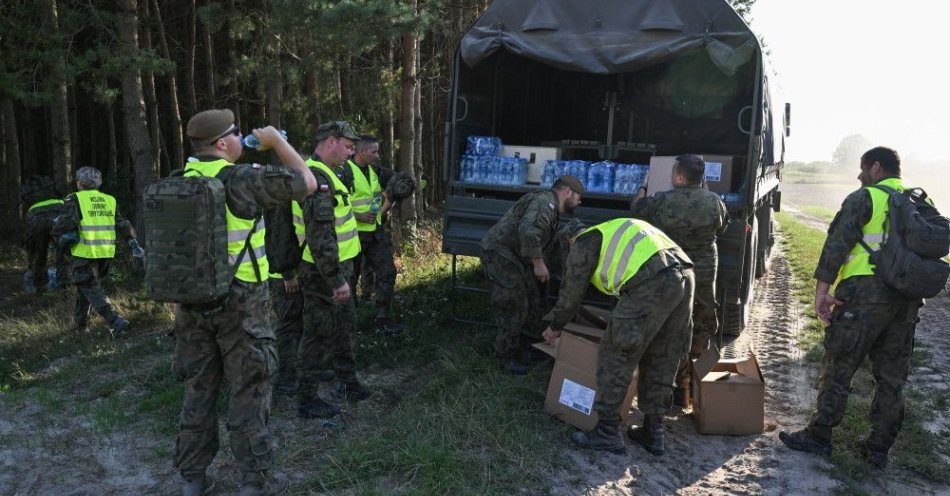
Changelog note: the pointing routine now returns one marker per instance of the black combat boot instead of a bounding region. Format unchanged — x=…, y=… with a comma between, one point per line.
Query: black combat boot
x=317, y=408
x=650, y=434
x=803, y=441
x=264, y=483
x=875, y=457
x=604, y=437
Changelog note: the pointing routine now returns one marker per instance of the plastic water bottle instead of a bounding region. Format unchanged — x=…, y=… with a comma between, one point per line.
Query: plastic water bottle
x=595, y=178
x=251, y=141
x=376, y=205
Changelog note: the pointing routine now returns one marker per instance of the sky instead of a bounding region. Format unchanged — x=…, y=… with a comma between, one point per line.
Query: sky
x=870, y=67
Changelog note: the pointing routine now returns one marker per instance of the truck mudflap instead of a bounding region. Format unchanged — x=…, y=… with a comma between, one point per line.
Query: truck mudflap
x=467, y=219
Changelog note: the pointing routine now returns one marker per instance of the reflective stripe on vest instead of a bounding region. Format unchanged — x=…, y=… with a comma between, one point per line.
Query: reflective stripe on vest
x=627, y=245
x=44, y=203
x=347, y=236
x=97, y=226
x=365, y=189
x=300, y=229
x=859, y=260
x=238, y=229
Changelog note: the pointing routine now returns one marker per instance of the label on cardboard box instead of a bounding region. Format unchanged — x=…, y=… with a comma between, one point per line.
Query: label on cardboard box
x=714, y=171
x=577, y=396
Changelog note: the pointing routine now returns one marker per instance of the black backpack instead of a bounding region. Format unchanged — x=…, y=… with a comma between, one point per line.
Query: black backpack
x=916, y=237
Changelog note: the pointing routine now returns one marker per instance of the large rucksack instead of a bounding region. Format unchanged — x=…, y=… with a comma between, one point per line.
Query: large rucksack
x=916, y=237
x=186, y=239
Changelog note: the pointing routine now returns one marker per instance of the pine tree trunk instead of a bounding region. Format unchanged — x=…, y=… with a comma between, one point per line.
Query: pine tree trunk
x=177, y=155
x=315, y=95
x=190, y=75
x=390, y=112
x=133, y=110
x=151, y=99
x=234, y=89
x=209, y=60
x=112, y=166
x=59, y=108
x=407, y=113
x=11, y=162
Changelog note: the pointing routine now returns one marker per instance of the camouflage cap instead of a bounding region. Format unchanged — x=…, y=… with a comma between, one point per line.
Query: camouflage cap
x=210, y=124
x=88, y=178
x=339, y=129
x=571, y=182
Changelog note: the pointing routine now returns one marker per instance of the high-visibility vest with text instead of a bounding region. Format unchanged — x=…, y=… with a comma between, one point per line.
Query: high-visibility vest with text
x=97, y=225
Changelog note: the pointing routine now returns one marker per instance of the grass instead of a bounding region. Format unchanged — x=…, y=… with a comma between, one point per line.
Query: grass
x=819, y=212
x=917, y=450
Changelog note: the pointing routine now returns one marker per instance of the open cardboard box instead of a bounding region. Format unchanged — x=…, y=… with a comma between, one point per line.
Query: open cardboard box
x=572, y=389
x=730, y=397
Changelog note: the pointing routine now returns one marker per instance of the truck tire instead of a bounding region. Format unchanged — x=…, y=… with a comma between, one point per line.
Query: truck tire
x=766, y=238
x=736, y=315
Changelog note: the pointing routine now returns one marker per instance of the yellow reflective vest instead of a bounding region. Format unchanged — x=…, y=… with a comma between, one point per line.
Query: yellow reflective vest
x=238, y=230
x=627, y=244
x=859, y=260
x=347, y=236
x=97, y=225
x=365, y=190
x=44, y=203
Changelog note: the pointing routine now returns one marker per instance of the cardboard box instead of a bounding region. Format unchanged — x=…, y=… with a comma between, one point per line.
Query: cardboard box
x=536, y=156
x=572, y=389
x=660, y=176
x=719, y=171
x=730, y=397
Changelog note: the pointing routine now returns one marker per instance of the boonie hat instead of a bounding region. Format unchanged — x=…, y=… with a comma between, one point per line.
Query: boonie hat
x=573, y=183
x=338, y=129
x=210, y=124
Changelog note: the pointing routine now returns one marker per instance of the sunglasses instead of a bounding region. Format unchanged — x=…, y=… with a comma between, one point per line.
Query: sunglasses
x=235, y=131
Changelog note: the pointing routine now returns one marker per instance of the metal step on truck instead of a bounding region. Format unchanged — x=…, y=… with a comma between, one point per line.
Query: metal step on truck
x=563, y=84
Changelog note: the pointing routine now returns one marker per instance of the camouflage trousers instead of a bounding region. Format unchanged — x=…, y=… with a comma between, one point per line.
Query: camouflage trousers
x=376, y=257
x=705, y=320
x=87, y=274
x=38, y=239
x=649, y=328
x=515, y=302
x=884, y=332
x=229, y=346
x=288, y=326
x=328, y=340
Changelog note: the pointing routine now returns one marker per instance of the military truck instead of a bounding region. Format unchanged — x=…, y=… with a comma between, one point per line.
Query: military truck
x=625, y=81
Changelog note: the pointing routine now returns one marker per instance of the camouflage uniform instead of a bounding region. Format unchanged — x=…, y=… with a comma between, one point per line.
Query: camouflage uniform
x=876, y=322
x=89, y=272
x=39, y=235
x=525, y=231
x=649, y=328
x=327, y=342
x=692, y=217
x=231, y=341
x=376, y=253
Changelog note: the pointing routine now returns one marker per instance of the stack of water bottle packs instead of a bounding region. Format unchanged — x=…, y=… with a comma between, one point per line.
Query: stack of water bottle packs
x=597, y=177
x=483, y=163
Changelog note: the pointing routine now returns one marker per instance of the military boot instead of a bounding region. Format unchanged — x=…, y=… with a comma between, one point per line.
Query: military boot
x=199, y=485
x=353, y=390
x=264, y=483
x=118, y=327
x=605, y=436
x=877, y=458
x=317, y=408
x=650, y=434
x=803, y=441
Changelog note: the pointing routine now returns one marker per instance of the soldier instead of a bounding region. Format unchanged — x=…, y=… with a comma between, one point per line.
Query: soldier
x=649, y=328
x=44, y=203
x=231, y=341
x=692, y=217
x=90, y=220
x=284, y=240
x=513, y=262
x=332, y=242
x=865, y=318
x=370, y=203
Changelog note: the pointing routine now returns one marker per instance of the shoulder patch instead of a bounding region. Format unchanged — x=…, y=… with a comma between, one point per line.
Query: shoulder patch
x=551, y=206
x=256, y=165
x=324, y=188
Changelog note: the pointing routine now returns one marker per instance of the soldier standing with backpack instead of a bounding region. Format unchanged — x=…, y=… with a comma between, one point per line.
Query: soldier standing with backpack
x=231, y=341
x=91, y=220
x=865, y=318
x=44, y=203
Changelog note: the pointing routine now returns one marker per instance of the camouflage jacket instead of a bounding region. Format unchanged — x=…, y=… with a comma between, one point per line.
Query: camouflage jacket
x=527, y=228
x=690, y=216
x=580, y=265
x=843, y=233
x=319, y=221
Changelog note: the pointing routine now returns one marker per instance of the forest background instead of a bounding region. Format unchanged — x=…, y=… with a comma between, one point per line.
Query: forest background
x=111, y=83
